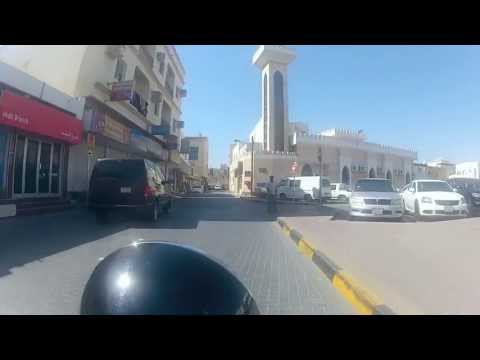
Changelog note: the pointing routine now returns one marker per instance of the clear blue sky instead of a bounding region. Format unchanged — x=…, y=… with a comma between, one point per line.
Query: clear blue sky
x=425, y=97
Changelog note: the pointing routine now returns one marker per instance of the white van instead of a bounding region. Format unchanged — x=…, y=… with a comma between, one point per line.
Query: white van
x=304, y=187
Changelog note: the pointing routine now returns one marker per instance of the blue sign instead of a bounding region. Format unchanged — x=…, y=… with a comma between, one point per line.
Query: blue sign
x=160, y=130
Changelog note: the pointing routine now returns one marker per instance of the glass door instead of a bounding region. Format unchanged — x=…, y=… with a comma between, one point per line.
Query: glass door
x=37, y=168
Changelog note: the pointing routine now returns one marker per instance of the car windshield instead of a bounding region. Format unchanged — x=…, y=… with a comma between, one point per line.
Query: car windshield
x=125, y=170
x=427, y=186
x=374, y=186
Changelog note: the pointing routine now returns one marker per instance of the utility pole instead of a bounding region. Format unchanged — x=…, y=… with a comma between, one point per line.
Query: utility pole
x=251, y=177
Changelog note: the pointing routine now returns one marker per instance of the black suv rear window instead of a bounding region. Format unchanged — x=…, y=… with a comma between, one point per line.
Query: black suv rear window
x=124, y=170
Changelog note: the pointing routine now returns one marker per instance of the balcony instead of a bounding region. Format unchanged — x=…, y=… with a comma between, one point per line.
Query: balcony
x=139, y=103
x=146, y=55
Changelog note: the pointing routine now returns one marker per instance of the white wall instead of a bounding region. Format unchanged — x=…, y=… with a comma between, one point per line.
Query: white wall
x=57, y=65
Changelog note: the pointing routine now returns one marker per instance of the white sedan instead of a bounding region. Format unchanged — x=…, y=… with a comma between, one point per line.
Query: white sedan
x=433, y=198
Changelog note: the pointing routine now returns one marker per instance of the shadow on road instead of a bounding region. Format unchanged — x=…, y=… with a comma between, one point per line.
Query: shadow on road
x=26, y=239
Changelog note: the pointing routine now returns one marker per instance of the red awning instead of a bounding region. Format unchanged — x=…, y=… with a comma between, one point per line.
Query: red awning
x=35, y=117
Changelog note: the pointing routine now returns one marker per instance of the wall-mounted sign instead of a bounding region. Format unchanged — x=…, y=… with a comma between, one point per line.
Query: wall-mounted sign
x=122, y=91
x=160, y=130
x=138, y=140
x=179, y=124
x=107, y=126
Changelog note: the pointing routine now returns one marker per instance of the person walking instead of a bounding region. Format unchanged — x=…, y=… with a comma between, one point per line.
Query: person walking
x=271, y=197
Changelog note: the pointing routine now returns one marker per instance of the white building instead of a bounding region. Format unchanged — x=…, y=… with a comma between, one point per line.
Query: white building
x=132, y=93
x=343, y=155
x=469, y=169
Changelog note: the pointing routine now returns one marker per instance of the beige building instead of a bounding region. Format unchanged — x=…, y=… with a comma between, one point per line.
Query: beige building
x=218, y=176
x=197, y=149
x=342, y=155
x=133, y=98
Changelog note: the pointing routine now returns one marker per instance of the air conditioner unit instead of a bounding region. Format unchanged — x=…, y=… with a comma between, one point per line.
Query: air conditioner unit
x=156, y=97
x=115, y=51
x=160, y=56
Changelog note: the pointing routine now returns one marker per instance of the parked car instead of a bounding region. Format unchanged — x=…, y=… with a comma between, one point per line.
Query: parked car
x=217, y=187
x=197, y=189
x=470, y=189
x=210, y=187
x=135, y=184
x=340, y=191
x=433, y=198
x=375, y=198
x=261, y=190
x=304, y=187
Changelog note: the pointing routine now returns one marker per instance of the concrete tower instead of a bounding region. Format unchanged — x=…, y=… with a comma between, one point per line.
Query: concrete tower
x=273, y=60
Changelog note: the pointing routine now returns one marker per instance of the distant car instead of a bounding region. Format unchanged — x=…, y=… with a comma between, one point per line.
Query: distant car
x=223, y=187
x=217, y=187
x=340, y=192
x=304, y=187
x=470, y=189
x=375, y=198
x=433, y=198
x=135, y=184
x=197, y=189
x=261, y=189
x=210, y=187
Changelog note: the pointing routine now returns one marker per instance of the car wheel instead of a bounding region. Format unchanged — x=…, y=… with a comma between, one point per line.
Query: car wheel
x=307, y=197
x=282, y=197
x=417, y=215
x=101, y=216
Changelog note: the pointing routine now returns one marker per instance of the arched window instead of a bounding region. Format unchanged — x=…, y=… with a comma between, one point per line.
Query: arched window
x=307, y=170
x=389, y=175
x=371, y=174
x=407, y=178
x=265, y=104
x=279, y=111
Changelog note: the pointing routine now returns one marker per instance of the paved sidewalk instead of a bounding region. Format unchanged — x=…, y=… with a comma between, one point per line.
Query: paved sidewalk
x=415, y=268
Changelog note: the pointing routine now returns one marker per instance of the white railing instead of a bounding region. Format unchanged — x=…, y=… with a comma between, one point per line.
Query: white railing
x=360, y=145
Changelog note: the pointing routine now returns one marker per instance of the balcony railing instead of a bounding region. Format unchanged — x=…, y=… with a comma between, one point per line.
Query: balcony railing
x=139, y=103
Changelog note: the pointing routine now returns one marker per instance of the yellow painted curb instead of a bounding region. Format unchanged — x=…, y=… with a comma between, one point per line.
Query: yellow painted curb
x=306, y=249
x=364, y=302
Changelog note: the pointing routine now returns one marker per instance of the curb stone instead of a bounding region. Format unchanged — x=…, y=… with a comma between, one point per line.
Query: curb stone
x=362, y=300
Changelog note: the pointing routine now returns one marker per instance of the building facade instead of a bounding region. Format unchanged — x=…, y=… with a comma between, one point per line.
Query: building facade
x=132, y=102
x=39, y=127
x=282, y=148
x=469, y=169
x=197, y=149
x=218, y=176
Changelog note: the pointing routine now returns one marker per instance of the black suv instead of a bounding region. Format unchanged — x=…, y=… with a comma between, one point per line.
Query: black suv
x=470, y=189
x=136, y=184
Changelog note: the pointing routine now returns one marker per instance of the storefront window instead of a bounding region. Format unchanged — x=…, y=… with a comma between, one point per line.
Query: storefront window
x=56, y=168
x=3, y=150
x=31, y=167
x=18, y=170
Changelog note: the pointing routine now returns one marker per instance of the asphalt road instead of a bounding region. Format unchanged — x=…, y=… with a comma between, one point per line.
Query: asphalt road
x=45, y=260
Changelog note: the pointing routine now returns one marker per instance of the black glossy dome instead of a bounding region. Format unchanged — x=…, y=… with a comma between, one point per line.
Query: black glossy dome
x=165, y=279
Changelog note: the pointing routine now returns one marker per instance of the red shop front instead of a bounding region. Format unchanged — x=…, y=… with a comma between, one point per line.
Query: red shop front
x=36, y=156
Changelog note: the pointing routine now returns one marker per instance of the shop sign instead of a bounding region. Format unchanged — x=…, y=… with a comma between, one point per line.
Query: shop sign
x=139, y=140
x=107, y=126
x=121, y=91
x=160, y=130
x=38, y=118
